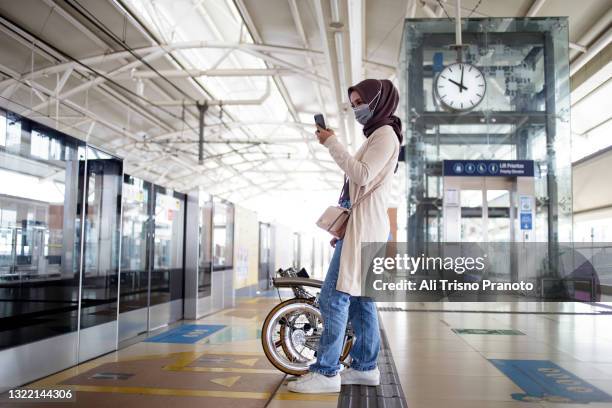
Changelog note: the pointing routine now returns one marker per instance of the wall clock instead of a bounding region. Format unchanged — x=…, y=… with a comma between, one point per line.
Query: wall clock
x=460, y=86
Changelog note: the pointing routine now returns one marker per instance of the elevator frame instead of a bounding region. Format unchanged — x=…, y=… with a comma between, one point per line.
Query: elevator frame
x=546, y=110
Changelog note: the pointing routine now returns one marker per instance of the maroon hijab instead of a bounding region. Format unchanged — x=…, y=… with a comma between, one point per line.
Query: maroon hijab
x=384, y=105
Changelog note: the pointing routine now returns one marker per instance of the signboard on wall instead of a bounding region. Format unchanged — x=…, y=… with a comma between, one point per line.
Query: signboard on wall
x=241, y=264
x=489, y=168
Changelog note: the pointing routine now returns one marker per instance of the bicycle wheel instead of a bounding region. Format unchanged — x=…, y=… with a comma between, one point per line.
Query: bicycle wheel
x=290, y=336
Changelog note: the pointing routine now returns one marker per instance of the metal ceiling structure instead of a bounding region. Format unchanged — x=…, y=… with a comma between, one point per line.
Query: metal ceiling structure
x=129, y=75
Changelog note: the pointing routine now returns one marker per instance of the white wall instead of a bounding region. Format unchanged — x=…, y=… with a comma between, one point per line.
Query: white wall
x=592, y=190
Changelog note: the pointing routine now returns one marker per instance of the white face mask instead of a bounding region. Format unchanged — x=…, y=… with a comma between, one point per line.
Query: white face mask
x=363, y=113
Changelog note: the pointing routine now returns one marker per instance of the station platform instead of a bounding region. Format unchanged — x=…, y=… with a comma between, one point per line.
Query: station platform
x=438, y=355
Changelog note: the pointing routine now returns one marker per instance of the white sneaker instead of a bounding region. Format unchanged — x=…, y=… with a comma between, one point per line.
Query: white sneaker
x=315, y=383
x=356, y=377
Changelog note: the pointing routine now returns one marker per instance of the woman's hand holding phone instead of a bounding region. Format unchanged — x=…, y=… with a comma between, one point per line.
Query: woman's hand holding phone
x=323, y=134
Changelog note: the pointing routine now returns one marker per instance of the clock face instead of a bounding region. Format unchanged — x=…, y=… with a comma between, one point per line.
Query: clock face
x=461, y=86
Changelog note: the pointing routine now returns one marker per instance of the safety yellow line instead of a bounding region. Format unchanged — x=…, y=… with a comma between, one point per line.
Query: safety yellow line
x=66, y=374
x=292, y=396
x=190, y=357
x=184, y=358
x=234, y=353
x=179, y=392
x=224, y=370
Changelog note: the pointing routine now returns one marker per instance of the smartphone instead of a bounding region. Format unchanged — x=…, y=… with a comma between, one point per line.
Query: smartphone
x=320, y=120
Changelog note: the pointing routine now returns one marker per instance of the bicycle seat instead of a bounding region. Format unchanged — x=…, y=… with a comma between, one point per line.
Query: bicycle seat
x=295, y=281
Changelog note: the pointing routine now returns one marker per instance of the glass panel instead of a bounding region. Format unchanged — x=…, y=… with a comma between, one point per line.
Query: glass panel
x=103, y=180
x=471, y=216
x=167, y=273
x=205, y=257
x=498, y=220
x=524, y=114
x=134, y=264
x=39, y=232
x=223, y=236
x=13, y=131
x=264, y=255
x=296, y=250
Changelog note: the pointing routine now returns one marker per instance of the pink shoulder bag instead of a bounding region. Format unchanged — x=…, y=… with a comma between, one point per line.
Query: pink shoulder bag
x=335, y=218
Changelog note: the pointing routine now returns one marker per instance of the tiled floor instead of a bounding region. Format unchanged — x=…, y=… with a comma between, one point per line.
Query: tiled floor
x=226, y=369
x=437, y=367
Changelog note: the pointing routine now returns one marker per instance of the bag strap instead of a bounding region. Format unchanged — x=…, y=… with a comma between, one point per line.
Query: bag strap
x=344, y=185
x=360, y=199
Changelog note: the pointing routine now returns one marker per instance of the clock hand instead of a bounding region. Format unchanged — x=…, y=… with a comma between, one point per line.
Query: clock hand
x=461, y=87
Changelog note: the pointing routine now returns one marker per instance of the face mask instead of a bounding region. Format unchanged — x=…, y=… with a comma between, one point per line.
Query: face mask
x=363, y=113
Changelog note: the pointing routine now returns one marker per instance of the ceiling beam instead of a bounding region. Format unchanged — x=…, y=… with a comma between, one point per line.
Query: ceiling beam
x=100, y=79
x=268, y=59
x=49, y=53
x=594, y=30
x=182, y=73
x=601, y=43
x=356, y=21
x=411, y=8
x=297, y=20
x=535, y=7
x=168, y=48
x=448, y=4
x=190, y=102
x=329, y=49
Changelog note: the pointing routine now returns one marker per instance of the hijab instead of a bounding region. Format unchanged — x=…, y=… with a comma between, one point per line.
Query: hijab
x=383, y=98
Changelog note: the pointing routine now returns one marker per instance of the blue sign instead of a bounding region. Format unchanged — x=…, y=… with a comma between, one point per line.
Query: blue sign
x=493, y=168
x=489, y=168
x=438, y=62
x=544, y=380
x=186, y=334
x=526, y=221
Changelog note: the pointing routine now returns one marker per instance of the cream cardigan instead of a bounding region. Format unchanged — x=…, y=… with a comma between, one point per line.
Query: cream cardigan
x=374, y=161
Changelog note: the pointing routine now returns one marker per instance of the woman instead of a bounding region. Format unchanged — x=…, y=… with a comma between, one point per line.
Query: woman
x=374, y=103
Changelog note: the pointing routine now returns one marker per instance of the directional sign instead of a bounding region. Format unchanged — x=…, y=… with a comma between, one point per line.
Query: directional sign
x=525, y=203
x=489, y=168
x=226, y=381
x=543, y=380
x=526, y=221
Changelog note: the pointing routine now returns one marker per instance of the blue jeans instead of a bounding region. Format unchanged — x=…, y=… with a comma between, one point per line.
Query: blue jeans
x=336, y=308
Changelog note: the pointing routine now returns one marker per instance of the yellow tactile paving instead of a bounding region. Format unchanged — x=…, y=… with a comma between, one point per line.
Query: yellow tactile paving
x=179, y=392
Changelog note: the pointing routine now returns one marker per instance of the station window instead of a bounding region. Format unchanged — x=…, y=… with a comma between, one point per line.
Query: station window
x=223, y=235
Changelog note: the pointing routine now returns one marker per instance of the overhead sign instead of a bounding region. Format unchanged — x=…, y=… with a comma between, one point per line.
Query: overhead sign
x=489, y=168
